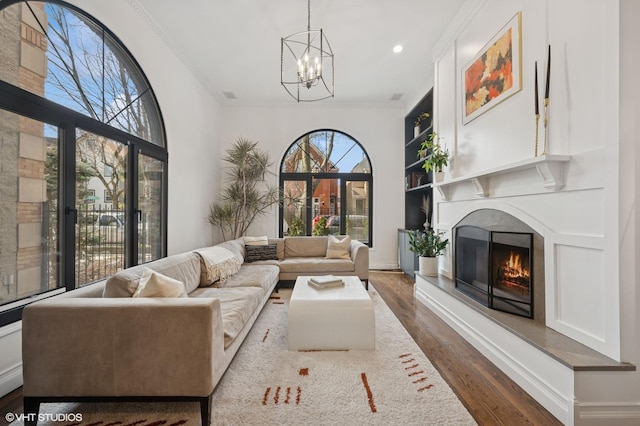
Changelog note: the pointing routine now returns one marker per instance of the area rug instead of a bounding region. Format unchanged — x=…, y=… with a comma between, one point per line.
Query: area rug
x=266, y=384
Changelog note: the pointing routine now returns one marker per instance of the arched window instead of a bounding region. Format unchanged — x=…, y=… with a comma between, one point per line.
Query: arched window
x=83, y=156
x=326, y=182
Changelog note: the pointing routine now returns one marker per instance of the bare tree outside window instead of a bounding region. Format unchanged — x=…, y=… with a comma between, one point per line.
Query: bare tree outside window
x=54, y=51
x=334, y=197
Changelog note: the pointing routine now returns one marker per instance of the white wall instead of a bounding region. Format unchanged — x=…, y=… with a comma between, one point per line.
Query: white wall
x=378, y=129
x=582, y=219
x=629, y=181
x=192, y=119
x=589, y=226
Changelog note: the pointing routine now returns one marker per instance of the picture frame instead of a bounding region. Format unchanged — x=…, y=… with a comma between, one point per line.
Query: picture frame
x=495, y=72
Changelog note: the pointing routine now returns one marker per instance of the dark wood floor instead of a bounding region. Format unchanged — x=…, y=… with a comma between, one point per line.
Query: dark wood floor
x=489, y=395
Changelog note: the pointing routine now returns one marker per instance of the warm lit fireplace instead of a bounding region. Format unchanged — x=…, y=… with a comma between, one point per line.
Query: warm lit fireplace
x=495, y=268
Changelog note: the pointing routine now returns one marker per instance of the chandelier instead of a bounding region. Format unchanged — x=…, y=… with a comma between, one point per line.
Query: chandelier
x=308, y=73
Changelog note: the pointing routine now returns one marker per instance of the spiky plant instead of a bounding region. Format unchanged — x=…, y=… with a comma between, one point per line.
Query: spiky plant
x=247, y=194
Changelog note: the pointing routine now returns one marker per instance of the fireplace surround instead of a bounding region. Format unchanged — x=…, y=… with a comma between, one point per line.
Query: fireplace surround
x=489, y=245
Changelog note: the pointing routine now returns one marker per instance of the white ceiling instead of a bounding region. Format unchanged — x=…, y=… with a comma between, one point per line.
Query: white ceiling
x=234, y=45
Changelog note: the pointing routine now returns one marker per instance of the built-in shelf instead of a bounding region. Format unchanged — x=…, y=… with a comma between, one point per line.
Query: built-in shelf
x=420, y=188
x=420, y=136
x=415, y=164
x=418, y=182
x=549, y=167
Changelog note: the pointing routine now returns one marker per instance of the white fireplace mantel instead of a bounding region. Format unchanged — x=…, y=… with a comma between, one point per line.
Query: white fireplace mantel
x=549, y=167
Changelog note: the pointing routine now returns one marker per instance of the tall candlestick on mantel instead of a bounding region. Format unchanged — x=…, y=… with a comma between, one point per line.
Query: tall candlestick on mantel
x=537, y=106
x=546, y=103
x=546, y=91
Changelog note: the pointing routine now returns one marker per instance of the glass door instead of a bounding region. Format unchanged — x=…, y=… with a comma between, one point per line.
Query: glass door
x=357, y=210
x=294, y=207
x=29, y=209
x=100, y=207
x=327, y=207
x=150, y=229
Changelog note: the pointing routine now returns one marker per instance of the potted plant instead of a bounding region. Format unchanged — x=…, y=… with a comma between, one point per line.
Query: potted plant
x=248, y=194
x=419, y=119
x=436, y=157
x=427, y=245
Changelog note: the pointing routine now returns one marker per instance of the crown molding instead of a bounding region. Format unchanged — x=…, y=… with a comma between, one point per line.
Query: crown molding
x=326, y=104
x=153, y=25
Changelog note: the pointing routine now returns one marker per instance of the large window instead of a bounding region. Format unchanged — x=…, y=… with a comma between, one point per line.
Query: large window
x=83, y=157
x=326, y=181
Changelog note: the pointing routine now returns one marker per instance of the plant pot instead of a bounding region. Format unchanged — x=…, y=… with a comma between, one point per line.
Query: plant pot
x=416, y=131
x=438, y=176
x=428, y=266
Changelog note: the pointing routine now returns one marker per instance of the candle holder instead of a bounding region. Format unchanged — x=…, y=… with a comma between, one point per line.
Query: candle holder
x=537, y=132
x=546, y=125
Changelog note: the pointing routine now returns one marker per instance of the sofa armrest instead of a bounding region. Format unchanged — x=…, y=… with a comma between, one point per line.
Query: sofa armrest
x=121, y=346
x=360, y=256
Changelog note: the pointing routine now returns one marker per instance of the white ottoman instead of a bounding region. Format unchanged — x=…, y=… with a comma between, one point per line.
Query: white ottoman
x=331, y=319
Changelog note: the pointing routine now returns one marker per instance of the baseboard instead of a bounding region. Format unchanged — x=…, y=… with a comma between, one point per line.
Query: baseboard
x=611, y=414
x=10, y=379
x=507, y=352
x=383, y=265
x=10, y=357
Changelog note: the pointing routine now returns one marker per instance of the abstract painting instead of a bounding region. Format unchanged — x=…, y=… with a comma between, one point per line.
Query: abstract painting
x=494, y=73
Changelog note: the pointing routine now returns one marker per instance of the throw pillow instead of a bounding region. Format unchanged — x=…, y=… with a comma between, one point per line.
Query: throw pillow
x=338, y=248
x=256, y=253
x=154, y=284
x=256, y=241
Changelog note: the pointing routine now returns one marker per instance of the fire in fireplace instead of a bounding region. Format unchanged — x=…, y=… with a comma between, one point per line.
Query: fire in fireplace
x=495, y=268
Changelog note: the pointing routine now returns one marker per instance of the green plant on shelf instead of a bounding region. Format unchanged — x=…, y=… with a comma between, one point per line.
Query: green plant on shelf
x=421, y=118
x=435, y=157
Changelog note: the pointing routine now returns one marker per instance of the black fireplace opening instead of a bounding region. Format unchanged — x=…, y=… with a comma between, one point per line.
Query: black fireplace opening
x=495, y=268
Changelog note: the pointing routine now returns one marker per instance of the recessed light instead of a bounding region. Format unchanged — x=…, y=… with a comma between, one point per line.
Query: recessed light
x=397, y=48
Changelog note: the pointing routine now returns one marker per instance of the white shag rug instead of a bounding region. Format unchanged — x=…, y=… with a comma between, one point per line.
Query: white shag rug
x=266, y=384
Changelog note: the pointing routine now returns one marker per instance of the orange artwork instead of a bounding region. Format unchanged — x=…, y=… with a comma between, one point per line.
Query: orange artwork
x=494, y=74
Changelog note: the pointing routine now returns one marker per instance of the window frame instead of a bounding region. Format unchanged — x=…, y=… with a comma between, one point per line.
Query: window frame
x=24, y=103
x=308, y=178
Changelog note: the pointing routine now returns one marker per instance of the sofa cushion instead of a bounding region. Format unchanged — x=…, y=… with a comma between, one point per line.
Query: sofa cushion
x=236, y=247
x=256, y=241
x=253, y=275
x=273, y=262
x=338, y=248
x=184, y=267
x=155, y=284
x=279, y=242
x=237, y=304
x=305, y=247
x=217, y=264
x=316, y=265
x=262, y=252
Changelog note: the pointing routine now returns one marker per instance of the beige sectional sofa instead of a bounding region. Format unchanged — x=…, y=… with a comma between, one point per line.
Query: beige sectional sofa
x=298, y=256
x=99, y=343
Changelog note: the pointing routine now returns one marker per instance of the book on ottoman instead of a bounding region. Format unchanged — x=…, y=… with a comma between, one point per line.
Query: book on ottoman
x=325, y=281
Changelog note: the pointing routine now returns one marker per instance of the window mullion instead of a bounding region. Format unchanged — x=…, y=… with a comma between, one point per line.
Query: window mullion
x=68, y=212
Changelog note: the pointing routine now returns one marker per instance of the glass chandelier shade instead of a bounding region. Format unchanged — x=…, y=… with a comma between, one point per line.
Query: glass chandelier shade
x=306, y=64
